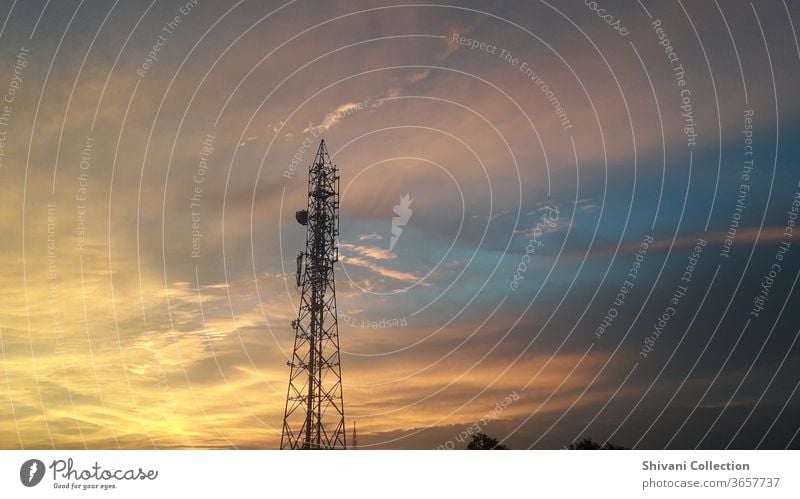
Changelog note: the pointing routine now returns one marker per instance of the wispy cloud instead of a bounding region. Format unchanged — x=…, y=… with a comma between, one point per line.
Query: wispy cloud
x=373, y=252
x=336, y=116
x=455, y=28
x=418, y=76
x=382, y=271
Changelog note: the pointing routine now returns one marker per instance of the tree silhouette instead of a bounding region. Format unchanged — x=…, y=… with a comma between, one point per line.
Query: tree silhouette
x=589, y=444
x=482, y=441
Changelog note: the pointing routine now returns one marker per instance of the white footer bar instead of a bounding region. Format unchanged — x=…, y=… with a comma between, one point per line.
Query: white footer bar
x=355, y=474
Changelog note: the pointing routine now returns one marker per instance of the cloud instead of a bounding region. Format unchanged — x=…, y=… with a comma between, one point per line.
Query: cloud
x=745, y=236
x=369, y=251
x=418, y=76
x=382, y=271
x=336, y=116
x=455, y=28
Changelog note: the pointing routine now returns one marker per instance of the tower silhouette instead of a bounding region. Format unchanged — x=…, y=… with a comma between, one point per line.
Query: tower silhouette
x=314, y=413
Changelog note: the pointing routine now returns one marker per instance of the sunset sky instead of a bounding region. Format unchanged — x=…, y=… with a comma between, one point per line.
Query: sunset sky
x=148, y=235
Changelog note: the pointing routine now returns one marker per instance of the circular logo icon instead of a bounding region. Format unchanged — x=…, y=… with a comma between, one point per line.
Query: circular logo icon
x=31, y=472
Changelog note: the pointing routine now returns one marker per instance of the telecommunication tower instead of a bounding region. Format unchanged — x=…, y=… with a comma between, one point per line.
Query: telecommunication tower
x=314, y=413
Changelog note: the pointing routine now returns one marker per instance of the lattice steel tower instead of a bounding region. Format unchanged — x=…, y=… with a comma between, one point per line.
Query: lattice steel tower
x=314, y=414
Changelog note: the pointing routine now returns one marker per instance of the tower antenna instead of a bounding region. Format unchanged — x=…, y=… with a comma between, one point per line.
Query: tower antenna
x=314, y=413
